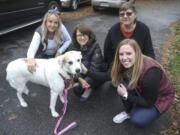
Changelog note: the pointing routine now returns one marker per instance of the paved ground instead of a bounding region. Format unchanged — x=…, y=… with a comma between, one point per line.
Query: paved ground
x=95, y=116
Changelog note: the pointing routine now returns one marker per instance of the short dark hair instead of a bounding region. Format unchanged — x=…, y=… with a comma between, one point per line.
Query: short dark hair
x=127, y=5
x=84, y=30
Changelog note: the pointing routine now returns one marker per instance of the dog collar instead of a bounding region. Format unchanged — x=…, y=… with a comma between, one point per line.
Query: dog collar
x=67, y=82
x=69, y=74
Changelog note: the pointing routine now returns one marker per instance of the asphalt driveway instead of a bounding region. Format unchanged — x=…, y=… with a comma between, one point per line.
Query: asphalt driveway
x=94, y=117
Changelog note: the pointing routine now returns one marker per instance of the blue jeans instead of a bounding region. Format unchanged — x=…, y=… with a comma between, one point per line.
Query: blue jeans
x=140, y=116
x=143, y=116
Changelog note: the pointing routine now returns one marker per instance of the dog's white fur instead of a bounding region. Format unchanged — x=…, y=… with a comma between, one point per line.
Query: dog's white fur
x=47, y=73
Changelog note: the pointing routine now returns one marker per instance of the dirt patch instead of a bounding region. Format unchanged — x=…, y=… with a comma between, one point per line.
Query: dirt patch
x=174, y=110
x=85, y=11
x=166, y=47
x=88, y=11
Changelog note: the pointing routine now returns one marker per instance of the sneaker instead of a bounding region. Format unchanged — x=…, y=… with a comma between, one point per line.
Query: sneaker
x=83, y=99
x=119, y=118
x=85, y=95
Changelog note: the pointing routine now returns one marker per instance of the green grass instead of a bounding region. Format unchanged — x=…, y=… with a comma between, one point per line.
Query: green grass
x=174, y=63
x=174, y=69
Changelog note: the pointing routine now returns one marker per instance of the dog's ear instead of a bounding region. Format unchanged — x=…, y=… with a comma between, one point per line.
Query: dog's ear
x=80, y=54
x=64, y=58
x=61, y=59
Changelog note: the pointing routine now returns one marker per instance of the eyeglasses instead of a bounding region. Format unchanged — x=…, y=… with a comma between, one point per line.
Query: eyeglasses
x=55, y=11
x=128, y=13
x=81, y=35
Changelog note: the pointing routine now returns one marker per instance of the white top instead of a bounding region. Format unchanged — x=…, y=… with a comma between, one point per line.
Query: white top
x=35, y=43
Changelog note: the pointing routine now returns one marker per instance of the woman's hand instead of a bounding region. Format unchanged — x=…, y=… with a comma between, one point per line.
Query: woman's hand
x=31, y=65
x=121, y=89
x=57, y=54
x=84, y=83
x=84, y=69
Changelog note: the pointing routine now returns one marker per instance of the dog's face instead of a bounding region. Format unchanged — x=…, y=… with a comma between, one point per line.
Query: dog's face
x=72, y=62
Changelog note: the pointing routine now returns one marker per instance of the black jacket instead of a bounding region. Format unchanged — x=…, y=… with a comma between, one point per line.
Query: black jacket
x=141, y=35
x=92, y=56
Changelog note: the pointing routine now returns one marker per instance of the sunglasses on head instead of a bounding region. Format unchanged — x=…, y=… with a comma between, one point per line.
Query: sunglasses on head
x=128, y=13
x=54, y=11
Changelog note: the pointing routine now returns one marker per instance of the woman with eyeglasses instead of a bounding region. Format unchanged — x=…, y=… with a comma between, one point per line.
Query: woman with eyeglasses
x=128, y=27
x=84, y=40
x=142, y=83
x=49, y=40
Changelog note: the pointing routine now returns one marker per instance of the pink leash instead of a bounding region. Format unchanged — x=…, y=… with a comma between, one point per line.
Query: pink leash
x=70, y=126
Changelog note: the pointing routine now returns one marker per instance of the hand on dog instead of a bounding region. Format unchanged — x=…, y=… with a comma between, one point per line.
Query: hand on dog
x=84, y=83
x=84, y=69
x=121, y=89
x=57, y=54
x=31, y=65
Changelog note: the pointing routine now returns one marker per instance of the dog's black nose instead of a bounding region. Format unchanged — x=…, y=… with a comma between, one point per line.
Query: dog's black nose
x=77, y=71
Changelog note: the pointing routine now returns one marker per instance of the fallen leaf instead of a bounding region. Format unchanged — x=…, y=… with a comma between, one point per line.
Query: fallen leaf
x=12, y=117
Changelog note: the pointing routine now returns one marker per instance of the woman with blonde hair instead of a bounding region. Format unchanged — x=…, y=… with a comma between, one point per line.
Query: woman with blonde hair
x=142, y=83
x=50, y=39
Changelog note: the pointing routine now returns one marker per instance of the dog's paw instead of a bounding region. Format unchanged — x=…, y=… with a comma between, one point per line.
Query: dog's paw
x=55, y=114
x=24, y=104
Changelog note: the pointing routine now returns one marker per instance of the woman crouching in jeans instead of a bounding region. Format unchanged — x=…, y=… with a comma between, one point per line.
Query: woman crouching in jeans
x=142, y=83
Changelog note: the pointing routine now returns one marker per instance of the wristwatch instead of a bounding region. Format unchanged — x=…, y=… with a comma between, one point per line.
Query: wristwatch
x=125, y=96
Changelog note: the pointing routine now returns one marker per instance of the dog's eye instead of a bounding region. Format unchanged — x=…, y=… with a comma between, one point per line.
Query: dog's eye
x=78, y=60
x=70, y=62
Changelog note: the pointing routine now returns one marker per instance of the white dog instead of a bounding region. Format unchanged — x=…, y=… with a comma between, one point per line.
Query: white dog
x=49, y=72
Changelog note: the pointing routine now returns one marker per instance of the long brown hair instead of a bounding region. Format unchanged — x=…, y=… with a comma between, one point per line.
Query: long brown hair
x=134, y=72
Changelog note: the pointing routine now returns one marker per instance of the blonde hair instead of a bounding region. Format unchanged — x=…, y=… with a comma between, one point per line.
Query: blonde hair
x=58, y=33
x=133, y=72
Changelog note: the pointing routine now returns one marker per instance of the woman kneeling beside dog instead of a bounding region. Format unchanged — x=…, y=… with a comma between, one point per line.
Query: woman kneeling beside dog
x=84, y=40
x=142, y=83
